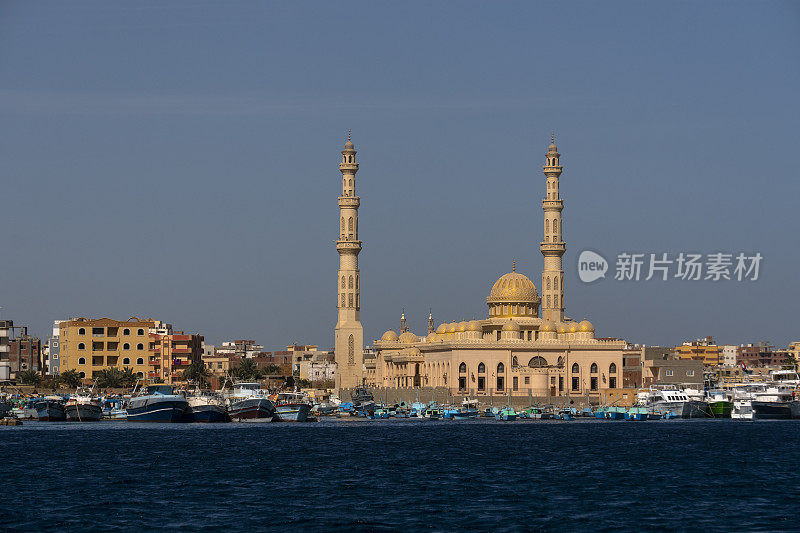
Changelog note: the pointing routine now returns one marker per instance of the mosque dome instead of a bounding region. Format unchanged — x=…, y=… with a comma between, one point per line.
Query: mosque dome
x=349, y=145
x=411, y=350
x=585, y=325
x=433, y=337
x=573, y=327
x=389, y=336
x=547, y=326
x=552, y=148
x=474, y=325
x=451, y=327
x=513, y=288
x=562, y=328
x=408, y=338
x=461, y=326
x=511, y=326
x=442, y=329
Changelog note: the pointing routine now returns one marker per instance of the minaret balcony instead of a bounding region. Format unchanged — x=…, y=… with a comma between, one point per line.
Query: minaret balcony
x=553, y=247
x=553, y=204
x=348, y=168
x=349, y=201
x=348, y=246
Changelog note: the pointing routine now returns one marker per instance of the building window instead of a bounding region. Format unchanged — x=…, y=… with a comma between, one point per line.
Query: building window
x=514, y=362
x=593, y=368
x=351, y=350
x=498, y=334
x=126, y=361
x=126, y=331
x=481, y=383
x=527, y=380
x=462, y=368
x=593, y=382
x=140, y=346
x=530, y=333
x=126, y=346
x=481, y=368
x=500, y=382
x=537, y=362
x=81, y=346
x=82, y=361
x=515, y=383
x=612, y=368
x=140, y=332
x=612, y=382
x=560, y=383
x=690, y=372
x=82, y=374
x=576, y=383
x=575, y=368
x=140, y=361
x=668, y=372
x=82, y=331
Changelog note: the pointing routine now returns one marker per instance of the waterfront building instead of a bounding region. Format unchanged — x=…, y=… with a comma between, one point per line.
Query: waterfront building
x=6, y=328
x=728, y=355
x=762, y=354
x=239, y=348
x=704, y=350
x=515, y=350
x=90, y=345
x=348, y=333
x=171, y=353
x=794, y=353
x=24, y=353
x=632, y=357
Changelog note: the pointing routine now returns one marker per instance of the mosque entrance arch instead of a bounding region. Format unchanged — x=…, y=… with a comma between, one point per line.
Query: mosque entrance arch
x=417, y=378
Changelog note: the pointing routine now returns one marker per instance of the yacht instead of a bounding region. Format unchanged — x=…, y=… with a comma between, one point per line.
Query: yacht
x=248, y=401
x=785, y=377
x=669, y=403
x=158, y=403
x=83, y=408
x=761, y=401
x=207, y=407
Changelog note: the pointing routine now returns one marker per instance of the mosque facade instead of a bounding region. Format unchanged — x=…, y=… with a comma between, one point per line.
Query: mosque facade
x=525, y=346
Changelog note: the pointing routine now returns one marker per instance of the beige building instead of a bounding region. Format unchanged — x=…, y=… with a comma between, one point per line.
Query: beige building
x=91, y=345
x=515, y=350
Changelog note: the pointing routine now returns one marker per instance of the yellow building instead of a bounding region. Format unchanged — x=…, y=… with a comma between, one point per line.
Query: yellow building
x=706, y=351
x=91, y=345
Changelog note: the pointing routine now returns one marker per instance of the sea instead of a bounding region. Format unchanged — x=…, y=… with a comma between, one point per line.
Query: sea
x=402, y=475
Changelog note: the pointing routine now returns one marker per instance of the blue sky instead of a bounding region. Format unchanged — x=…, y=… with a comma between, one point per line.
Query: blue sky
x=178, y=160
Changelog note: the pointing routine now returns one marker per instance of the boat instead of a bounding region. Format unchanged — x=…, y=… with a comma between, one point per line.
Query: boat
x=5, y=408
x=363, y=400
x=506, y=414
x=158, y=403
x=565, y=414
x=249, y=401
x=719, y=403
x=666, y=401
x=615, y=412
x=51, y=409
x=113, y=409
x=785, y=377
x=432, y=413
x=292, y=407
x=207, y=407
x=24, y=409
x=83, y=408
x=794, y=408
x=637, y=413
x=760, y=401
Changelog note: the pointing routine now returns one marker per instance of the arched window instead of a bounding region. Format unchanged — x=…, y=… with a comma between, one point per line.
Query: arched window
x=537, y=362
x=350, y=224
x=140, y=332
x=356, y=281
x=351, y=350
x=342, y=301
x=612, y=369
x=82, y=374
x=514, y=362
x=560, y=362
x=350, y=159
x=343, y=282
x=140, y=361
x=140, y=346
x=350, y=300
x=548, y=283
x=82, y=361
x=462, y=368
x=82, y=331
x=126, y=346
x=342, y=225
x=140, y=374
x=126, y=331
x=481, y=368
x=593, y=368
x=546, y=226
x=350, y=282
x=575, y=368
x=81, y=346
x=548, y=300
x=126, y=361
x=501, y=368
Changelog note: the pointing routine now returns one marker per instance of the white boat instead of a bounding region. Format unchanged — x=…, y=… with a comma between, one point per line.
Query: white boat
x=248, y=401
x=669, y=403
x=785, y=377
x=762, y=401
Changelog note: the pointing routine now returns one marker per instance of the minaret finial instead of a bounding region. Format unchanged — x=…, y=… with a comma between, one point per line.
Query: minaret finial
x=348, y=134
x=553, y=137
x=514, y=265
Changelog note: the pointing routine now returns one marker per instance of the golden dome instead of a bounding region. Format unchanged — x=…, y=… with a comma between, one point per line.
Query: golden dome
x=462, y=326
x=411, y=350
x=562, y=328
x=585, y=325
x=408, y=338
x=433, y=337
x=451, y=327
x=442, y=329
x=474, y=325
x=547, y=326
x=513, y=288
x=573, y=327
x=511, y=326
x=389, y=336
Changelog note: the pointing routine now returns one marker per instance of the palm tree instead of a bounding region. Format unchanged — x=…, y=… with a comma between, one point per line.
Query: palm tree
x=128, y=378
x=247, y=369
x=197, y=373
x=70, y=378
x=29, y=377
x=111, y=378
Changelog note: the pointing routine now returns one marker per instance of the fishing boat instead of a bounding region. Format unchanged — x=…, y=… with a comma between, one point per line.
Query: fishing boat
x=432, y=413
x=24, y=409
x=719, y=403
x=773, y=403
x=113, y=409
x=637, y=413
x=565, y=414
x=506, y=414
x=292, y=407
x=5, y=407
x=207, y=407
x=158, y=403
x=51, y=409
x=83, y=407
x=250, y=402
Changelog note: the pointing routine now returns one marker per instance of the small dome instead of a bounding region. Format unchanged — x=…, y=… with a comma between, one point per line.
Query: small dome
x=451, y=327
x=562, y=328
x=585, y=325
x=349, y=145
x=474, y=325
x=552, y=148
x=433, y=337
x=573, y=327
x=547, y=326
x=411, y=350
x=442, y=329
x=462, y=326
x=408, y=338
x=389, y=336
x=511, y=326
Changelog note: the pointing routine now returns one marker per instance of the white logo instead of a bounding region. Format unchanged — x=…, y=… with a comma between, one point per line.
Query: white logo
x=591, y=266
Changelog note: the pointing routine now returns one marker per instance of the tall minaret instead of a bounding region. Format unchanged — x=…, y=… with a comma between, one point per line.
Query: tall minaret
x=349, y=335
x=553, y=245
x=431, y=327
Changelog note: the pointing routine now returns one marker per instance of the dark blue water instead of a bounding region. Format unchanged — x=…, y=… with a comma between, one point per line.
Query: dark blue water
x=402, y=475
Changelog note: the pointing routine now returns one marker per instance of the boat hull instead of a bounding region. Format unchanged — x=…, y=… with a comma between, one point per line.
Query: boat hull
x=84, y=413
x=721, y=408
x=696, y=409
x=168, y=409
x=210, y=413
x=51, y=411
x=771, y=410
x=252, y=409
x=298, y=412
x=794, y=408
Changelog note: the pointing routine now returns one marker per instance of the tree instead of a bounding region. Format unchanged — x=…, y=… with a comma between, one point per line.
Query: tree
x=70, y=378
x=247, y=369
x=197, y=373
x=29, y=377
x=109, y=378
x=272, y=370
x=128, y=378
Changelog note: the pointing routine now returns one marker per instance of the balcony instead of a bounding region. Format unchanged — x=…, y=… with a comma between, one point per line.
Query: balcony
x=181, y=362
x=182, y=350
x=154, y=362
x=153, y=374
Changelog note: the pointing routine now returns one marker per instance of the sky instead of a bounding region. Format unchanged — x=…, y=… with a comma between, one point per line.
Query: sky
x=179, y=160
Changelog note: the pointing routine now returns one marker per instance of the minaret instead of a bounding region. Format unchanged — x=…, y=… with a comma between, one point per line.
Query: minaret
x=349, y=335
x=553, y=245
x=431, y=327
x=403, y=324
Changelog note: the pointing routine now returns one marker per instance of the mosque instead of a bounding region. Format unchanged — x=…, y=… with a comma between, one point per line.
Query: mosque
x=525, y=346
